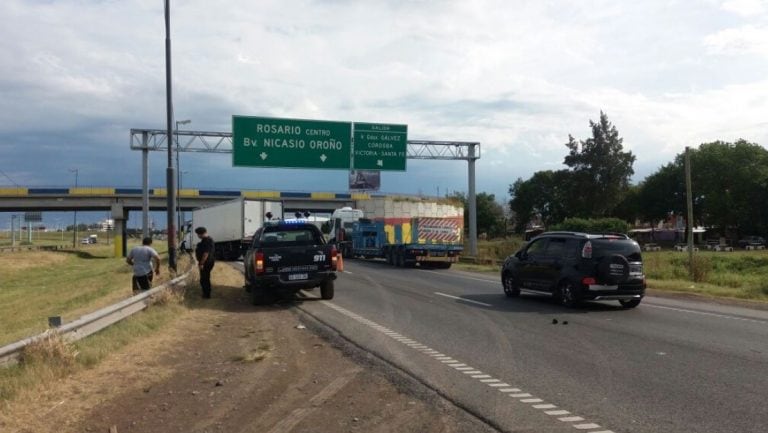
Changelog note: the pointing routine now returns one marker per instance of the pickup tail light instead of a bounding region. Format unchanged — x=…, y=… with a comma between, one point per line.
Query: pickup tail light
x=258, y=262
x=587, y=281
x=334, y=258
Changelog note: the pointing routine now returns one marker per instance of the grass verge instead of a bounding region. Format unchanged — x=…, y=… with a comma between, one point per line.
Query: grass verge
x=35, y=285
x=738, y=275
x=52, y=359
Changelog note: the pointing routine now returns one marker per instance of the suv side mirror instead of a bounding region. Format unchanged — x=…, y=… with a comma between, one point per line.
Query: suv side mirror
x=521, y=255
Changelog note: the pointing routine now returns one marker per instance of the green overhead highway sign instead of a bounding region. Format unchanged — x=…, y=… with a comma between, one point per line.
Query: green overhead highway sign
x=291, y=143
x=380, y=147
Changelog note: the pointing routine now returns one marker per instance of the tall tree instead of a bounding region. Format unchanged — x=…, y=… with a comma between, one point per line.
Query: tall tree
x=600, y=170
x=730, y=188
x=541, y=198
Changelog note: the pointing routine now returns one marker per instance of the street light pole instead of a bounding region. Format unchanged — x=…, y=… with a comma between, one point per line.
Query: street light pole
x=74, y=228
x=169, y=175
x=178, y=174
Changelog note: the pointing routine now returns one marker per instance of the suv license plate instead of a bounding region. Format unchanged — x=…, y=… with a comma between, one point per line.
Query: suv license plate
x=294, y=277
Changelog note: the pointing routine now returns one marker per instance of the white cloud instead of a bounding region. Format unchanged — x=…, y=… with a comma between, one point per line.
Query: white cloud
x=747, y=39
x=516, y=76
x=746, y=7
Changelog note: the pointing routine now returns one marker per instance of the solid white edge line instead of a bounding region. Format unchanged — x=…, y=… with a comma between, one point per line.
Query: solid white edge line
x=463, y=299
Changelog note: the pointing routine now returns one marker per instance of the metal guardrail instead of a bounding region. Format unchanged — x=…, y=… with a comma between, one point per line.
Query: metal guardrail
x=89, y=323
x=33, y=248
x=477, y=261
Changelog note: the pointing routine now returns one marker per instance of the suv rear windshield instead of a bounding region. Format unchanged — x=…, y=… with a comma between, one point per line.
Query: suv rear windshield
x=606, y=247
x=289, y=236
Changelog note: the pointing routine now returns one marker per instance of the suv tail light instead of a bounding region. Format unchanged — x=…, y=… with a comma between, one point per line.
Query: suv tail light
x=334, y=258
x=258, y=262
x=586, y=252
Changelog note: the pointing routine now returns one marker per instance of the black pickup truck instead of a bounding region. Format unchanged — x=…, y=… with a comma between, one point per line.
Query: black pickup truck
x=285, y=257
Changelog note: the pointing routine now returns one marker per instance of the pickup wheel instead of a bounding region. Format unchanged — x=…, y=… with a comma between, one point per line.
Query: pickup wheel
x=327, y=289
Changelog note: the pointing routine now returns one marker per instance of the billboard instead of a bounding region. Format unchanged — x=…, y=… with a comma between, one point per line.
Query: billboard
x=364, y=180
x=33, y=217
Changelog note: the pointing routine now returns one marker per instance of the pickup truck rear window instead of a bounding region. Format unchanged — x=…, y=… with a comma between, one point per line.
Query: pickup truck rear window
x=293, y=237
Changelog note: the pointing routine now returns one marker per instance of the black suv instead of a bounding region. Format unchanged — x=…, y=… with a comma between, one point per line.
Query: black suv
x=577, y=266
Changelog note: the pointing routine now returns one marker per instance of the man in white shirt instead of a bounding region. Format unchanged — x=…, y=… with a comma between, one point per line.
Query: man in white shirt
x=142, y=258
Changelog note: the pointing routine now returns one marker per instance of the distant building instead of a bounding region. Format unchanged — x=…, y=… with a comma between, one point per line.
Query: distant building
x=106, y=225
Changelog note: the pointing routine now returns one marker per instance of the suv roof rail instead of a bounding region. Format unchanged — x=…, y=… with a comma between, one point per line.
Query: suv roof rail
x=585, y=234
x=621, y=235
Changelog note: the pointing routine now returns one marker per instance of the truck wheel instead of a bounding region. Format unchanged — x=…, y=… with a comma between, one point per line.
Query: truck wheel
x=400, y=257
x=326, y=289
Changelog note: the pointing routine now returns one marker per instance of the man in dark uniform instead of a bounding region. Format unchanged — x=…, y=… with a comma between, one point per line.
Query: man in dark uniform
x=205, y=261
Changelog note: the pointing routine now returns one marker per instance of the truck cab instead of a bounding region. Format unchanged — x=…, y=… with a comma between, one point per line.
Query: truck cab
x=342, y=222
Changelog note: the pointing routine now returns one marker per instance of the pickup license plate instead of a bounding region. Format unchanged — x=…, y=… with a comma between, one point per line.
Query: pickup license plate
x=294, y=277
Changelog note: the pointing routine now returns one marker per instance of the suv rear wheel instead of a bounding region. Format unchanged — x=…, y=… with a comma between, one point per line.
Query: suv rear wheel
x=511, y=289
x=566, y=294
x=629, y=303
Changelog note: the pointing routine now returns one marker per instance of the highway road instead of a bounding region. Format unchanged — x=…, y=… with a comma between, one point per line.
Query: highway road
x=666, y=366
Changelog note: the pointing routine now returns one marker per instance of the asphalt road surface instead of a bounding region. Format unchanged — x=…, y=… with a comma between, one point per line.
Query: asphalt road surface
x=666, y=366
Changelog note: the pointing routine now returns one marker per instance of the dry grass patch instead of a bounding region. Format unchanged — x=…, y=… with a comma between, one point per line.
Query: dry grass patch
x=16, y=262
x=260, y=353
x=52, y=349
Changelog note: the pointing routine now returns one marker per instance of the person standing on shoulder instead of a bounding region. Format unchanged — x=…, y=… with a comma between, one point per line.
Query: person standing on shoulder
x=142, y=258
x=205, y=261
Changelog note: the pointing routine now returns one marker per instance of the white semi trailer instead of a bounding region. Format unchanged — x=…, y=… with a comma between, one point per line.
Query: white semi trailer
x=232, y=224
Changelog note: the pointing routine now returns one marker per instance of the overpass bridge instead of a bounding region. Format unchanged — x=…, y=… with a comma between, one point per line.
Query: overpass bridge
x=120, y=201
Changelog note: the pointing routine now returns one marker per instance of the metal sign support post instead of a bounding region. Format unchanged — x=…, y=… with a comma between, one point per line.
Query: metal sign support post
x=472, y=202
x=221, y=142
x=144, y=184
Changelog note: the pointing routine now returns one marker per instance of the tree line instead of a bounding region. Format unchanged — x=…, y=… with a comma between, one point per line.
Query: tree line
x=730, y=186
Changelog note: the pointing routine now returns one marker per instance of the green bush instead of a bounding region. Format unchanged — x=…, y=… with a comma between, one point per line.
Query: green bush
x=601, y=225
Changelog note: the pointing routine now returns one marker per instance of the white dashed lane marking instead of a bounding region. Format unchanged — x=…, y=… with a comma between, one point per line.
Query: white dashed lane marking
x=463, y=300
x=704, y=313
x=505, y=388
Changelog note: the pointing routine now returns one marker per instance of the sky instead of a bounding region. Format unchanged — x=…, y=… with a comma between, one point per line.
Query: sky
x=516, y=76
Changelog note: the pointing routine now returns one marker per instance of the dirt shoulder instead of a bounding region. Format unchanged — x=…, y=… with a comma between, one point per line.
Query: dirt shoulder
x=225, y=366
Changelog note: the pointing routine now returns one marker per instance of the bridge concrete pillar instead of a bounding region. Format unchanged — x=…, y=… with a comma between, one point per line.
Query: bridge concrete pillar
x=120, y=216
